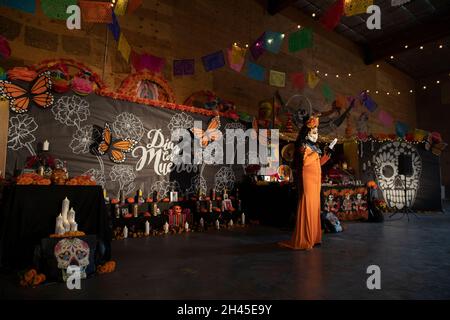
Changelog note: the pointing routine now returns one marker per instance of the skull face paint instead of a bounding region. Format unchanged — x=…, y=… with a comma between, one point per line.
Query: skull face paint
x=390, y=181
x=72, y=252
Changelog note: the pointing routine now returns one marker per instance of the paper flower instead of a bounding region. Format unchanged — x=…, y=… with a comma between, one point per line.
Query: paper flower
x=97, y=175
x=71, y=111
x=198, y=184
x=20, y=132
x=82, y=140
x=224, y=179
x=165, y=187
x=181, y=121
x=127, y=125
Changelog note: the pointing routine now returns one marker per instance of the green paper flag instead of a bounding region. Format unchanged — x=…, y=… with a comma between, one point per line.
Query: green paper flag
x=301, y=40
x=57, y=9
x=327, y=92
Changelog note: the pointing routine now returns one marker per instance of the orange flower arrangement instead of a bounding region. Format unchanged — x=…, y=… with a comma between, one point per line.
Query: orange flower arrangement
x=32, y=179
x=149, y=200
x=31, y=278
x=372, y=184
x=108, y=267
x=130, y=200
x=70, y=234
x=81, y=181
x=115, y=201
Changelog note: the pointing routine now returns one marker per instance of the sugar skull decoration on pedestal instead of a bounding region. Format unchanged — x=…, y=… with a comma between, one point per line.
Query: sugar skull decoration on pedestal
x=72, y=252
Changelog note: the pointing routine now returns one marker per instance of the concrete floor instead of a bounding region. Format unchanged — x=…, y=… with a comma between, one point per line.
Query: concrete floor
x=246, y=263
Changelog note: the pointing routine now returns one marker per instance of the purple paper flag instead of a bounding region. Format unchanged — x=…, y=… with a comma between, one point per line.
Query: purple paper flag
x=184, y=67
x=258, y=48
x=213, y=61
x=153, y=63
x=114, y=27
x=368, y=102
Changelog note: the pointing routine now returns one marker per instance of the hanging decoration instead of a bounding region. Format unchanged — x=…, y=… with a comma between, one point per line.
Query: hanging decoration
x=255, y=71
x=236, y=58
x=114, y=27
x=273, y=41
x=96, y=11
x=327, y=92
x=121, y=7
x=56, y=9
x=147, y=61
x=124, y=47
x=385, y=118
x=277, y=79
x=367, y=101
x=401, y=129
x=333, y=15
x=185, y=67
x=301, y=39
x=213, y=61
x=23, y=5
x=355, y=7
x=298, y=80
x=258, y=47
x=313, y=79
x=5, y=50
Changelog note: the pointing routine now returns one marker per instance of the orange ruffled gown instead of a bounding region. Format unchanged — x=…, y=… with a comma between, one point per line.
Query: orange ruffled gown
x=308, y=231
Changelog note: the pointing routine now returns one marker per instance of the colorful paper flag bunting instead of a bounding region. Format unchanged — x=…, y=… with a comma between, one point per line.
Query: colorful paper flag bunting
x=420, y=135
x=151, y=62
x=24, y=5
x=236, y=58
x=114, y=27
x=354, y=7
x=298, y=80
x=327, y=92
x=341, y=101
x=277, y=79
x=333, y=15
x=301, y=39
x=184, y=67
x=401, y=129
x=385, y=118
x=57, y=9
x=258, y=48
x=124, y=47
x=273, y=41
x=213, y=61
x=255, y=71
x=96, y=11
x=368, y=102
x=313, y=79
x=121, y=7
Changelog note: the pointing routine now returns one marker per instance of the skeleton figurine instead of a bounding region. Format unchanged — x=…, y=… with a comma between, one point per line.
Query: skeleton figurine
x=331, y=205
x=72, y=252
x=347, y=204
x=360, y=205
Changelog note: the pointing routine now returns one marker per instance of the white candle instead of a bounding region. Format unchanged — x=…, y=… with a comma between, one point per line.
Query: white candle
x=59, y=227
x=202, y=222
x=75, y=227
x=147, y=228
x=65, y=211
x=243, y=218
x=125, y=232
x=231, y=223
x=46, y=146
x=186, y=226
x=166, y=228
x=217, y=224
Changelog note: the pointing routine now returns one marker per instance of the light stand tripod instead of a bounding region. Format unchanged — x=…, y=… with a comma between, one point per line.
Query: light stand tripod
x=405, y=168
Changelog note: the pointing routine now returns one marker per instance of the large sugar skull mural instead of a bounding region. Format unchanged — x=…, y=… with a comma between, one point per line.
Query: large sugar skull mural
x=72, y=252
x=390, y=181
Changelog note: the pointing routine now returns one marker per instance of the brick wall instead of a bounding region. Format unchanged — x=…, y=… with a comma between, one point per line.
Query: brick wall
x=185, y=29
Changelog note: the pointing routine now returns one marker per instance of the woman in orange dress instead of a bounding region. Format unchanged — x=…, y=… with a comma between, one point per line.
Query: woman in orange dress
x=308, y=231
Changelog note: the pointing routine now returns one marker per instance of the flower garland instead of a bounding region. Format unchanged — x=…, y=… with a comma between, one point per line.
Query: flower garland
x=31, y=278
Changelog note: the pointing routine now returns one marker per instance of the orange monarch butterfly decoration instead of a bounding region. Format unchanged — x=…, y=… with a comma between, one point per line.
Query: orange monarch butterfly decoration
x=116, y=148
x=211, y=134
x=20, y=98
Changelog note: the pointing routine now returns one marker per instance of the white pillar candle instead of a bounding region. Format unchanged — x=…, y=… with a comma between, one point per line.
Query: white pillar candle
x=59, y=227
x=125, y=232
x=186, y=226
x=65, y=206
x=75, y=227
x=46, y=146
x=231, y=223
x=217, y=224
x=202, y=223
x=243, y=218
x=166, y=228
x=147, y=228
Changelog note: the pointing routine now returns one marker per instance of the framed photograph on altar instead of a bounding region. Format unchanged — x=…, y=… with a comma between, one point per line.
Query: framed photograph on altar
x=173, y=196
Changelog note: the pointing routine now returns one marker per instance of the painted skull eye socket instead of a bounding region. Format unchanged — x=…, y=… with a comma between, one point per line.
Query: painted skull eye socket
x=64, y=256
x=388, y=171
x=81, y=254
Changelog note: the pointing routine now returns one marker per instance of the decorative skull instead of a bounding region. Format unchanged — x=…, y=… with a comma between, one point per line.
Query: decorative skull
x=72, y=252
x=393, y=184
x=330, y=197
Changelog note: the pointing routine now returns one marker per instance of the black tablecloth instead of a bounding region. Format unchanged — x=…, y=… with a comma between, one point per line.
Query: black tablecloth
x=28, y=214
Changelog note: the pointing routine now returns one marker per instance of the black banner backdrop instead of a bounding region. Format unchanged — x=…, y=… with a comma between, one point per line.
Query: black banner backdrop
x=74, y=122
x=379, y=162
